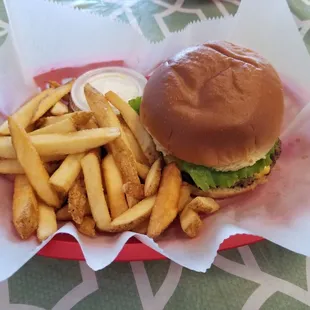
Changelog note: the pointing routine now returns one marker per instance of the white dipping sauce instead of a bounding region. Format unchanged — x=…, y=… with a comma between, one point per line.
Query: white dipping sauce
x=127, y=83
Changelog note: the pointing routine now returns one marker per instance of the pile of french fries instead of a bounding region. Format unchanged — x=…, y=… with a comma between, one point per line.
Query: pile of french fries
x=97, y=169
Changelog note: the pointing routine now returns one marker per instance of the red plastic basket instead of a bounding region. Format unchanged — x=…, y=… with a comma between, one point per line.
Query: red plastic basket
x=65, y=246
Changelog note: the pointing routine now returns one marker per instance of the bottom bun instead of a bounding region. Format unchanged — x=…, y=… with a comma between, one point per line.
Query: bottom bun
x=221, y=193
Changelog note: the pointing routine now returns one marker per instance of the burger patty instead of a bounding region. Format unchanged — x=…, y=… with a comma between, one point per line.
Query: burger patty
x=246, y=181
x=274, y=157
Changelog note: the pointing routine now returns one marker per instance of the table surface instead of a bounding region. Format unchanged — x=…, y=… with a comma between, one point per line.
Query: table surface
x=261, y=276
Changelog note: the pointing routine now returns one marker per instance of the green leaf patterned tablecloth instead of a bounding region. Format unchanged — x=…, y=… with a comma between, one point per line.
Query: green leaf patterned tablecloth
x=261, y=276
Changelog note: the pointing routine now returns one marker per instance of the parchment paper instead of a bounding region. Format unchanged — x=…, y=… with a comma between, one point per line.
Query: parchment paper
x=46, y=35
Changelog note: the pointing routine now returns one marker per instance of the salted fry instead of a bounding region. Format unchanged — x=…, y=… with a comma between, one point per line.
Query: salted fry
x=113, y=185
x=133, y=122
x=50, y=158
x=69, y=124
x=24, y=115
x=25, y=208
x=50, y=120
x=134, y=190
x=65, y=126
x=83, y=120
x=53, y=97
x=92, y=175
x=131, y=201
x=63, y=214
x=205, y=205
x=143, y=170
x=64, y=177
x=63, y=144
x=133, y=216
x=91, y=124
x=190, y=222
x=105, y=117
x=134, y=145
x=77, y=201
x=142, y=228
x=87, y=227
x=47, y=222
x=30, y=128
x=12, y=166
x=59, y=109
x=54, y=84
x=185, y=196
x=153, y=179
x=166, y=206
x=30, y=160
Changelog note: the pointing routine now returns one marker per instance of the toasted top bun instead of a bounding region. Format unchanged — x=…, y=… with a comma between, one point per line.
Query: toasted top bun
x=218, y=105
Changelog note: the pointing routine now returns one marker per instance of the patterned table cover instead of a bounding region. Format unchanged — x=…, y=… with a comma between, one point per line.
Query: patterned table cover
x=261, y=276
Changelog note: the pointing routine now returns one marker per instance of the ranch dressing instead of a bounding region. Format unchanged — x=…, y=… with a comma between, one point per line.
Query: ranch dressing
x=127, y=83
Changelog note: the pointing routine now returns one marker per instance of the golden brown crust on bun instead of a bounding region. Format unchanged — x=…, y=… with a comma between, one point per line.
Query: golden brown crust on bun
x=221, y=193
x=217, y=105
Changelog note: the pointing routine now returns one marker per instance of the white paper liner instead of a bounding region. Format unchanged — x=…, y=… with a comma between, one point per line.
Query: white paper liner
x=48, y=35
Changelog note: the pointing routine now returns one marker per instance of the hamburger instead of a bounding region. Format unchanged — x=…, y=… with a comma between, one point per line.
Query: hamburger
x=216, y=110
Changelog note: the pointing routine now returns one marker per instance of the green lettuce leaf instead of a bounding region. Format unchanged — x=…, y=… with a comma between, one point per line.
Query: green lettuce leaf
x=135, y=104
x=206, y=178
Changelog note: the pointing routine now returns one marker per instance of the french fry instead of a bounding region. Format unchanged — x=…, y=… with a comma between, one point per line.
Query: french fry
x=153, y=179
x=75, y=142
x=131, y=201
x=205, y=205
x=63, y=144
x=30, y=161
x=47, y=222
x=87, y=227
x=185, y=196
x=30, y=128
x=50, y=120
x=142, y=228
x=54, y=84
x=122, y=155
x=54, y=96
x=134, y=145
x=133, y=216
x=166, y=206
x=143, y=170
x=64, y=177
x=25, y=208
x=113, y=185
x=12, y=166
x=190, y=222
x=91, y=124
x=65, y=126
x=133, y=122
x=134, y=190
x=51, y=158
x=63, y=214
x=93, y=181
x=77, y=201
x=24, y=115
x=81, y=118
x=59, y=109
